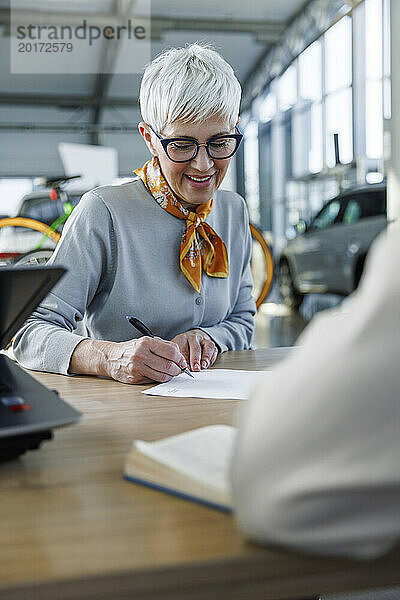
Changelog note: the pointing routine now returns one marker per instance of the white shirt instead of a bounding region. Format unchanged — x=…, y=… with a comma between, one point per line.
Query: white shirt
x=317, y=462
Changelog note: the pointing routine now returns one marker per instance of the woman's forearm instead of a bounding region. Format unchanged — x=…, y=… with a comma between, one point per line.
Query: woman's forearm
x=134, y=361
x=91, y=357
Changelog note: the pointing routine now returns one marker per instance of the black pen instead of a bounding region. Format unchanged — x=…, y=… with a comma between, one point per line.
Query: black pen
x=146, y=331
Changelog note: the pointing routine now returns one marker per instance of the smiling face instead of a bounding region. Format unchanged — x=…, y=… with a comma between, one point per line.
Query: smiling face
x=193, y=182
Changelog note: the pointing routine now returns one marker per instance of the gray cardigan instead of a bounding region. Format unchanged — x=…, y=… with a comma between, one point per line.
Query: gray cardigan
x=121, y=250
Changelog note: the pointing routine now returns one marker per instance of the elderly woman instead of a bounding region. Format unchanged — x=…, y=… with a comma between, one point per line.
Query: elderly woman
x=167, y=247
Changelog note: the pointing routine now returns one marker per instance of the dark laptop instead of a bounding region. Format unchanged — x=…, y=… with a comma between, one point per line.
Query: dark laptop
x=28, y=410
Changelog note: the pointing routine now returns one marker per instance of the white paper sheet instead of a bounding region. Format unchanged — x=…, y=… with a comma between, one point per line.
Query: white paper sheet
x=211, y=383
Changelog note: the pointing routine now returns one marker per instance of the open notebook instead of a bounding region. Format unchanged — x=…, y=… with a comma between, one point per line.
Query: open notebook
x=192, y=465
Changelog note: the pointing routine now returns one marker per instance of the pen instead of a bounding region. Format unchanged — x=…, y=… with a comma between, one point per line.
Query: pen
x=146, y=331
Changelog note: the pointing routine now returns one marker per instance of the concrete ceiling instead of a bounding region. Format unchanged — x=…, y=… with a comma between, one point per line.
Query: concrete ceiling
x=268, y=10
x=242, y=31
x=175, y=23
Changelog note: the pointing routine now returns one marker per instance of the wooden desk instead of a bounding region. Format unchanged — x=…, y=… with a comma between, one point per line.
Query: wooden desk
x=71, y=527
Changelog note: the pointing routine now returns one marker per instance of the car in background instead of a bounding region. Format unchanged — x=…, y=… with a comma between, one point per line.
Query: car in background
x=45, y=205
x=328, y=255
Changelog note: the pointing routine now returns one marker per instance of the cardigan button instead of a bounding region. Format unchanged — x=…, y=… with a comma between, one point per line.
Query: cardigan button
x=199, y=300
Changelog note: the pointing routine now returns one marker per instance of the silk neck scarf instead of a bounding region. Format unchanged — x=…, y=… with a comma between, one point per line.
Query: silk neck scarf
x=201, y=247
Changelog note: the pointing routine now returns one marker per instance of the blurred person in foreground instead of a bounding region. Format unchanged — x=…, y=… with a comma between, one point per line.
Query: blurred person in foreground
x=317, y=461
x=168, y=248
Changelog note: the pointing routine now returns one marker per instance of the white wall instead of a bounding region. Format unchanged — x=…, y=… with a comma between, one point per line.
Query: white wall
x=31, y=153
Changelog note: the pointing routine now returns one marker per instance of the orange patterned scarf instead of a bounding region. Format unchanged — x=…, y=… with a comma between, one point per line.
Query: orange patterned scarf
x=201, y=247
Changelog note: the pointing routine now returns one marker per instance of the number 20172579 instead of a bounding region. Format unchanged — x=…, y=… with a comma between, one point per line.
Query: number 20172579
x=44, y=47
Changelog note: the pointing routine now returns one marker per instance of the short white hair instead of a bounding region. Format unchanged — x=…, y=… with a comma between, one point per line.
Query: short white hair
x=189, y=84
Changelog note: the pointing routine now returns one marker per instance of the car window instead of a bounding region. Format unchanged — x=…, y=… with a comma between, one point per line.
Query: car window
x=364, y=205
x=327, y=216
x=352, y=212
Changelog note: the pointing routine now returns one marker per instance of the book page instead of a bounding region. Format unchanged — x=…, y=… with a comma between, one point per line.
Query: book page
x=202, y=454
x=211, y=383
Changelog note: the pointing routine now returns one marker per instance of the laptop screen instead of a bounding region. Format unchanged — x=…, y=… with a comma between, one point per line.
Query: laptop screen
x=21, y=290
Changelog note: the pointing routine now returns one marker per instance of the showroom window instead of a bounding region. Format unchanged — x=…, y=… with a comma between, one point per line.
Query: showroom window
x=338, y=100
x=310, y=88
x=387, y=109
x=251, y=177
x=299, y=112
x=310, y=73
x=287, y=89
x=268, y=108
x=374, y=79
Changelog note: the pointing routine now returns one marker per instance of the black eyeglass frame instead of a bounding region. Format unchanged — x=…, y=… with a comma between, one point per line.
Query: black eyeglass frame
x=165, y=141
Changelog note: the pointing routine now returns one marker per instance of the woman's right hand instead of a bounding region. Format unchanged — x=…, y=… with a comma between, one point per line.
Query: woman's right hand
x=145, y=359
x=135, y=361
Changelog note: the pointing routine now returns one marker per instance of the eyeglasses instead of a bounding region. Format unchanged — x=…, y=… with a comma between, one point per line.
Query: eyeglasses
x=218, y=147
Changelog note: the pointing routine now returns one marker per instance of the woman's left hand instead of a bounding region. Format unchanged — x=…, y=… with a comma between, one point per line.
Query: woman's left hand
x=198, y=349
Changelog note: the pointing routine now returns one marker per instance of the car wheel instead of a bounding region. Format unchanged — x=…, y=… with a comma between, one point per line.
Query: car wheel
x=289, y=295
x=34, y=258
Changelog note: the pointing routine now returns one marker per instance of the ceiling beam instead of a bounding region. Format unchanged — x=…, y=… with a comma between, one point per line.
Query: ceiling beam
x=68, y=128
x=263, y=31
x=64, y=101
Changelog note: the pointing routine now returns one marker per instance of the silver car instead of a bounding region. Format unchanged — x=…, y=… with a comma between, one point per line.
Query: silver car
x=328, y=255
